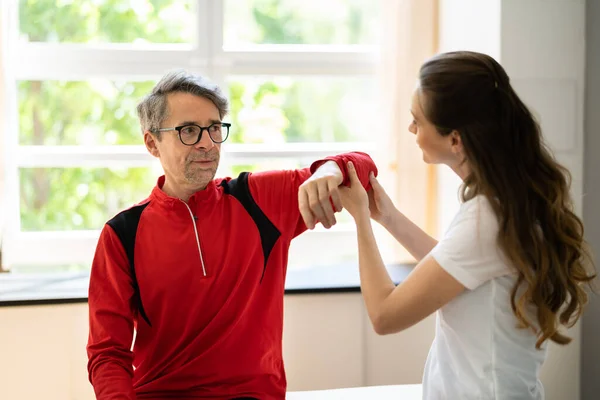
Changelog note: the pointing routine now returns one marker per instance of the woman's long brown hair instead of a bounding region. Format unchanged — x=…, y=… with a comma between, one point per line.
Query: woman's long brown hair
x=509, y=163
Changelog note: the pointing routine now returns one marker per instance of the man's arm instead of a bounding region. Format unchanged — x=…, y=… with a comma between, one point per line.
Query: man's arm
x=278, y=193
x=111, y=293
x=328, y=175
x=363, y=163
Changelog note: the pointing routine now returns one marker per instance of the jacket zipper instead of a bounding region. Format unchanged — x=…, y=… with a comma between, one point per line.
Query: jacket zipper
x=197, y=237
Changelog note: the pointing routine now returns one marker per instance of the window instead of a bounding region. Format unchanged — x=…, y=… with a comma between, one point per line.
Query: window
x=301, y=81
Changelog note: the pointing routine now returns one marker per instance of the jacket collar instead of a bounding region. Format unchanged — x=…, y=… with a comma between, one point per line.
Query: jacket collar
x=211, y=193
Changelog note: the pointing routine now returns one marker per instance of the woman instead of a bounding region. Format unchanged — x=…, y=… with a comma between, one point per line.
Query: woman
x=509, y=271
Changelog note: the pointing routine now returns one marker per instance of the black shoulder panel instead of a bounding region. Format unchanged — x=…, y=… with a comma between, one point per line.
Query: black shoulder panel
x=125, y=225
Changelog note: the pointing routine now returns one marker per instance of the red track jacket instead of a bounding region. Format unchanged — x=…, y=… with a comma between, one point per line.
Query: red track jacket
x=202, y=283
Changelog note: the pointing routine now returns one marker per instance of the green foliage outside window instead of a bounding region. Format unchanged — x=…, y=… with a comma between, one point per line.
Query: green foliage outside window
x=102, y=112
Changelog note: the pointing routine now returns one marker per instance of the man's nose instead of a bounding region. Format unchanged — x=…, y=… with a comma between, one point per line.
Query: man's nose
x=205, y=141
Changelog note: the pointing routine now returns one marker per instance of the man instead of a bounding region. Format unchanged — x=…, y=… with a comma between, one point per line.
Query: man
x=198, y=268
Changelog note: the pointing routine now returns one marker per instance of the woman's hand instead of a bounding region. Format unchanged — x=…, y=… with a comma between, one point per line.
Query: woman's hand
x=381, y=206
x=355, y=198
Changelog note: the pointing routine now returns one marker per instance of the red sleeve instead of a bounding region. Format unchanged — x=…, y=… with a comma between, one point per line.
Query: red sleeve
x=111, y=293
x=276, y=192
x=362, y=163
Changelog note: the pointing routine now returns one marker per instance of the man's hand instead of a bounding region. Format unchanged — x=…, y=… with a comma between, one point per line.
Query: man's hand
x=314, y=195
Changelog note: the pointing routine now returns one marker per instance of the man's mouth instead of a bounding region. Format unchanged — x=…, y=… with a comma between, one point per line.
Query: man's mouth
x=203, y=162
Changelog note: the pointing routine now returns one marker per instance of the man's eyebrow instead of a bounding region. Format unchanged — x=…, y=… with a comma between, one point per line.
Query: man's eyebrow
x=188, y=123
x=210, y=121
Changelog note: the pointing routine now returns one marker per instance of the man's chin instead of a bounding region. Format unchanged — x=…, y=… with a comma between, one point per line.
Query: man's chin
x=201, y=176
x=210, y=167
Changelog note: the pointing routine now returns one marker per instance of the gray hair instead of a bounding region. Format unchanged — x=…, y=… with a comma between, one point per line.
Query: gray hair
x=152, y=110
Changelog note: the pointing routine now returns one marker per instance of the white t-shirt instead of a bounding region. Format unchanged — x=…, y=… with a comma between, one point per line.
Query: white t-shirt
x=478, y=351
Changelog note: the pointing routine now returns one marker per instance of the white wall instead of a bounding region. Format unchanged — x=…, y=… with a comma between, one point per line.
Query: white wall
x=328, y=343
x=590, y=368
x=464, y=25
x=542, y=46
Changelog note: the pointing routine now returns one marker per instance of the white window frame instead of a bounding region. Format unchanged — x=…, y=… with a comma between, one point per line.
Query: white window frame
x=41, y=61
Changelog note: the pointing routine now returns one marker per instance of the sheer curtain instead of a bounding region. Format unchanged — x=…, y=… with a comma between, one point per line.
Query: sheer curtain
x=409, y=37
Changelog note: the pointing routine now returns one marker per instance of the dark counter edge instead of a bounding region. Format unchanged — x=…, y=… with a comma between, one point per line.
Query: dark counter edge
x=41, y=302
x=76, y=300
x=398, y=273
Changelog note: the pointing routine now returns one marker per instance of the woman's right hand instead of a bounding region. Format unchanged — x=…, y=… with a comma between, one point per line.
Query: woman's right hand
x=381, y=206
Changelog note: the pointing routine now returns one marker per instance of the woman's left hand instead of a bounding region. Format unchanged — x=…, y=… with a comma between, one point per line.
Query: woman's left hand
x=355, y=198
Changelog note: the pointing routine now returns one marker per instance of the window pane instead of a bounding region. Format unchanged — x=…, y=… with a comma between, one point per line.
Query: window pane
x=106, y=21
x=342, y=22
x=59, y=199
x=285, y=110
x=79, y=198
x=95, y=112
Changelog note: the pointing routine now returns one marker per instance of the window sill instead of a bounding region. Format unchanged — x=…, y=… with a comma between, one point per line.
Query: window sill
x=71, y=287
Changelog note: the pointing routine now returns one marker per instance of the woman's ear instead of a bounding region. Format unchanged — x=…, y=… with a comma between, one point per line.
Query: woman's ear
x=456, y=142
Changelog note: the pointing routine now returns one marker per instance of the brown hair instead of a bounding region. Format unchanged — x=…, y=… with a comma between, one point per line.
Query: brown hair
x=539, y=233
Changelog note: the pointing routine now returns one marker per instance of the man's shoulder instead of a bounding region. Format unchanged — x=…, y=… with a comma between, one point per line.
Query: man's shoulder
x=248, y=182
x=233, y=186
x=278, y=178
x=128, y=218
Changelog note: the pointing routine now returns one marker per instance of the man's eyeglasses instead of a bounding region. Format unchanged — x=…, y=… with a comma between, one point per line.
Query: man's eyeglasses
x=191, y=134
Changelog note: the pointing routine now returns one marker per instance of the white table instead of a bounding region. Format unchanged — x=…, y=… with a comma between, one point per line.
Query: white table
x=394, y=392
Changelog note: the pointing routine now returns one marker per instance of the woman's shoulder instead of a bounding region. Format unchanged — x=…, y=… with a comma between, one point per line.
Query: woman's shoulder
x=479, y=207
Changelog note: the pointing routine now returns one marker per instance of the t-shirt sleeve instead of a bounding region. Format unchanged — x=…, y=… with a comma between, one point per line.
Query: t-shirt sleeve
x=469, y=250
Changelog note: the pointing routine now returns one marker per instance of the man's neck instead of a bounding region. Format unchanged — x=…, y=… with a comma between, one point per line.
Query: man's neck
x=181, y=192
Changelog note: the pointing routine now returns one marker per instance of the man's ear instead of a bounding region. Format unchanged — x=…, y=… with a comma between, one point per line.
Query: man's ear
x=151, y=144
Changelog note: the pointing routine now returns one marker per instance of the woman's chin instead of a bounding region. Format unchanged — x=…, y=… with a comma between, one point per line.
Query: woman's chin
x=429, y=159
x=426, y=158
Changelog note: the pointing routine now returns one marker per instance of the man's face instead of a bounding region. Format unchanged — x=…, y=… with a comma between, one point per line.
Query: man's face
x=187, y=168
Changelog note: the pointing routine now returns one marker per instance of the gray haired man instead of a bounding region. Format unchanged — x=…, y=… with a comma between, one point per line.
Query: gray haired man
x=198, y=268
